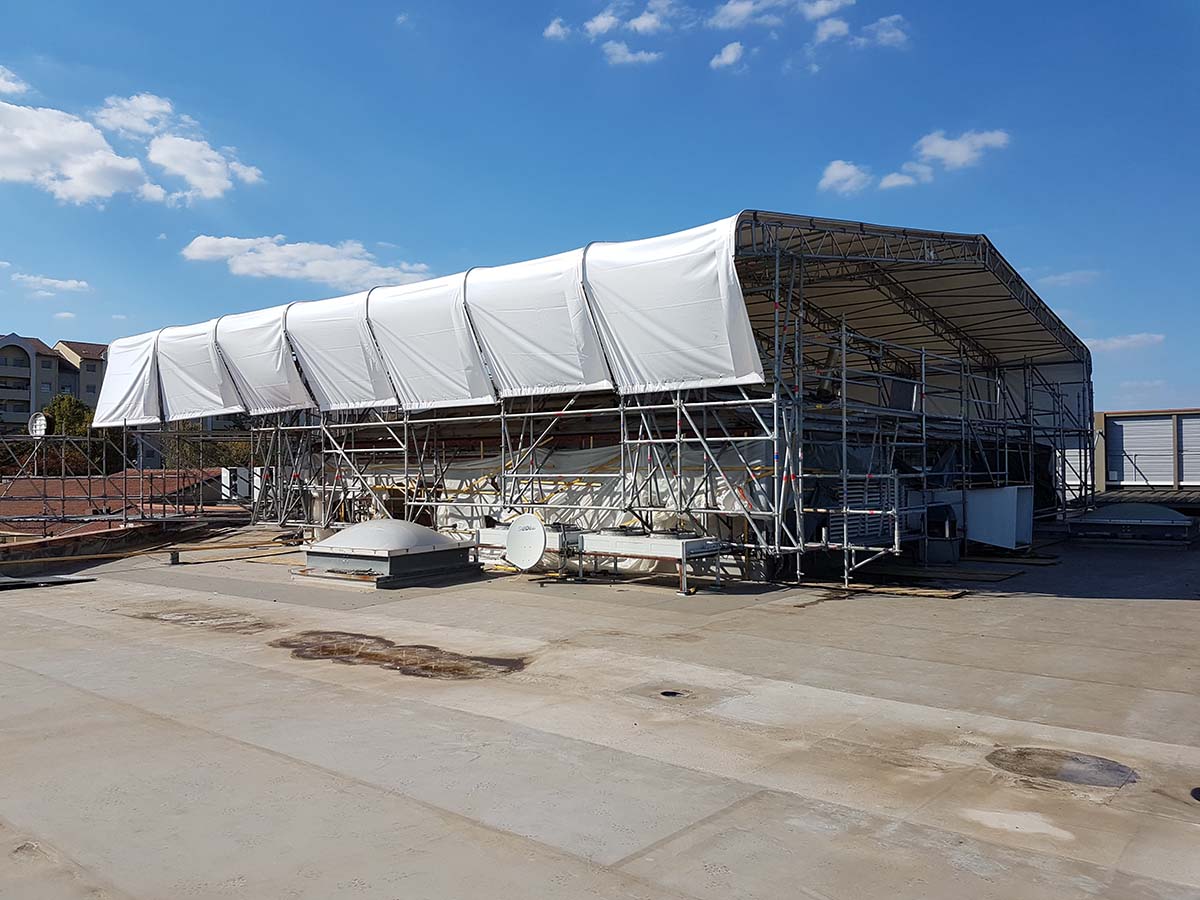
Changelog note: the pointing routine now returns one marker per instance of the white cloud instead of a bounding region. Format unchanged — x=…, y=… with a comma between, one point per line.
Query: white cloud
x=42, y=294
x=207, y=172
x=910, y=173
x=162, y=236
x=647, y=23
x=345, y=266
x=1137, y=341
x=119, y=317
x=886, y=32
x=738, y=13
x=730, y=55
x=964, y=150
x=155, y=193
x=618, y=54
x=42, y=283
x=557, y=30
x=63, y=155
x=830, y=29
x=402, y=19
x=601, y=23
x=138, y=116
x=844, y=177
x=64, y=315
x=10, y=83
x=4, y=264
x=819, y=9
x=1069, y=279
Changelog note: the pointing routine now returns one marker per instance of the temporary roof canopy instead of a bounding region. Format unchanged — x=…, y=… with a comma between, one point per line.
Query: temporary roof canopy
x=681, y=311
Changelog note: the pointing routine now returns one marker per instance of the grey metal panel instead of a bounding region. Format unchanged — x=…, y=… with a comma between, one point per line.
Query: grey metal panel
x=1139, y=450
x=1189, y=450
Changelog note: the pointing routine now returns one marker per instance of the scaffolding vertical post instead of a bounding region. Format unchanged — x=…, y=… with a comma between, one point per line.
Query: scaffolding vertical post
x=924, y=388
x=776, y=388
x=845, y=467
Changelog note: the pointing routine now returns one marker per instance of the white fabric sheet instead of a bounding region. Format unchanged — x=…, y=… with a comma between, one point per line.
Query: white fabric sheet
x=534, y=328
x=427, y=344
x=670, y=311
x=256, y=350
x=194, y=381
x=129, y=392
x=663, y=313
x=337, y=353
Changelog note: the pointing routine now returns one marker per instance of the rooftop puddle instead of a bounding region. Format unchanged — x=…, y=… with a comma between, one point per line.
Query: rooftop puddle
x=419, y=660
x=1062, y=765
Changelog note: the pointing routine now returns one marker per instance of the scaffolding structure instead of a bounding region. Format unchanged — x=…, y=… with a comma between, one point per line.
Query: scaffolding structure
x=898, y=364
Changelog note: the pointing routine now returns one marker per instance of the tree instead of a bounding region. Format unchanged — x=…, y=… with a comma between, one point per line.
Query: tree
x=72, y=418
x=68, y=415
x=187, y=445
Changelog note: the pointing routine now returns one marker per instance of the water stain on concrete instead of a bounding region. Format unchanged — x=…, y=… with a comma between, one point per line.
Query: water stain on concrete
x=826, y=596
x=209, y=618
x=1062, y=765
x=419, y=660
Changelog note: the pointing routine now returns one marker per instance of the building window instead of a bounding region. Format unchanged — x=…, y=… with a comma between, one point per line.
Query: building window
x=47, y=363
x=91, y=367
x=46, y=387
x=91, y=389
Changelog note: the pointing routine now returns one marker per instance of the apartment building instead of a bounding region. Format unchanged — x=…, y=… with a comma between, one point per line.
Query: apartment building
x=33, y=373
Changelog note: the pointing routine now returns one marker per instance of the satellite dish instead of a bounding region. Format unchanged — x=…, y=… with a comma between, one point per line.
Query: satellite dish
x=37, y=425
x=526, y=542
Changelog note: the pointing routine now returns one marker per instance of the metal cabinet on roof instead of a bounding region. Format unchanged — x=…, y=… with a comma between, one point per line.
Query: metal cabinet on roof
x=1140, y=450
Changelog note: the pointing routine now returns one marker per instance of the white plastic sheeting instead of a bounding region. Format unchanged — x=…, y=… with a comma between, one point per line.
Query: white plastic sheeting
x=670, y=311
x=255, y=347
x=130, y=392
x=427, y=344
x=534, y=328
x=663, y=313
x=194, y=381
x=333, y=342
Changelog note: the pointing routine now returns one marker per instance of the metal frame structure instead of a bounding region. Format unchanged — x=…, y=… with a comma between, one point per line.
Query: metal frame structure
x=896, y=362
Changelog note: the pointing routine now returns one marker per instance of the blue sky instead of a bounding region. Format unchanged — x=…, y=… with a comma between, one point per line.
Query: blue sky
x=164, y=163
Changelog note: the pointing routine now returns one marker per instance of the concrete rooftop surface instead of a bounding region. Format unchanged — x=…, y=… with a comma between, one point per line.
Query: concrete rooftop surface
x=179, y=731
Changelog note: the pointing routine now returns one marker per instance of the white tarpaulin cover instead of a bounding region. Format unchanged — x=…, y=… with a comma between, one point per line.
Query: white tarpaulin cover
x=534, y=328
x=664, y=313
x=129, y=395
x=427, y=344
x=670, y=311
x=256, y=350
x=194, y=381
x=337, y=353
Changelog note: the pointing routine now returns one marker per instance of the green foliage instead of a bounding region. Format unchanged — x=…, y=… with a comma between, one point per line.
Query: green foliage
x=68, y=415
x=186, y=446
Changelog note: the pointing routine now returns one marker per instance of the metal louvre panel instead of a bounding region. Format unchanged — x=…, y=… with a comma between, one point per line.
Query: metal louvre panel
x=1189, y=450
x=1139, y=450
